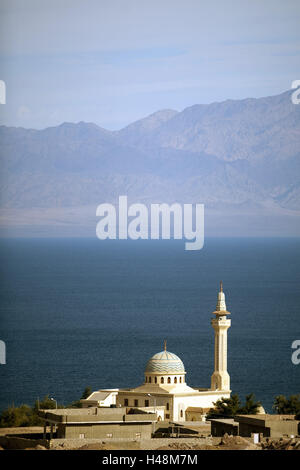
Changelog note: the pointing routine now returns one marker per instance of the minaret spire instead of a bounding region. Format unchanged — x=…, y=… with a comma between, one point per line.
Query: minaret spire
x=220, y=379
x=165, y=344
x=221, y=305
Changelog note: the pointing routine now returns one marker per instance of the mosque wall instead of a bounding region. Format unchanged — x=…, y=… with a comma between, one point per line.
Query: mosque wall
x=181, y=403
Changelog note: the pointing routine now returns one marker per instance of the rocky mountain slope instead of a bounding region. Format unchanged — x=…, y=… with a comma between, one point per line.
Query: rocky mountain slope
x=234, y=154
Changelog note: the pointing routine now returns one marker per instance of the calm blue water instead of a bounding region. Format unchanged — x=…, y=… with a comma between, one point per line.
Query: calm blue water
x=77, y=313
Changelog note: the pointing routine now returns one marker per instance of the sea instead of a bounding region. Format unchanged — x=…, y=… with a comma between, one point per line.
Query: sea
x=79, y=313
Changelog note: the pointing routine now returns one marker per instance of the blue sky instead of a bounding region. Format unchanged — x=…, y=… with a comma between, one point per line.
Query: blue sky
x=114, y=61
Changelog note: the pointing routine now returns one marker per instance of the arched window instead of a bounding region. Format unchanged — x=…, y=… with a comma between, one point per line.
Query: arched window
x=180, y=379
x=168, y=407
x=162, y=380
x=169, y=380
x=155, y=380
x=181, y=414
x=149, y=380
x=175, y=380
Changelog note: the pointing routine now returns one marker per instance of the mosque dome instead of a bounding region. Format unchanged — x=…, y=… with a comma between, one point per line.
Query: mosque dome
x=165, y=362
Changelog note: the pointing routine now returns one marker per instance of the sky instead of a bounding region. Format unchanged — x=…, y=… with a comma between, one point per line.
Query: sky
x=112, y=62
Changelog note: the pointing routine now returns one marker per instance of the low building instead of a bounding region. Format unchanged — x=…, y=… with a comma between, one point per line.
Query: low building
x=167, y=430
x=195, y=413
x=219, y=427
x=268, y=425
x=101, y=398
x=98, y=423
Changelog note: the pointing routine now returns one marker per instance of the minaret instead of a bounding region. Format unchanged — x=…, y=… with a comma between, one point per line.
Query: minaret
x=220, y=379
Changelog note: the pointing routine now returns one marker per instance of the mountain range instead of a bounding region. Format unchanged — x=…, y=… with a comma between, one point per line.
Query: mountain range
x=236, y=157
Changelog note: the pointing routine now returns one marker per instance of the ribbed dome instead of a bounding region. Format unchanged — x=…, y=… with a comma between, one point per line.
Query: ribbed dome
x=165, y=362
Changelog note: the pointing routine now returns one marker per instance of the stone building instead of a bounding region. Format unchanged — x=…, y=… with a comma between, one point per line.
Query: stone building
x=268, y=425
x=98, y=423
x=265, y=425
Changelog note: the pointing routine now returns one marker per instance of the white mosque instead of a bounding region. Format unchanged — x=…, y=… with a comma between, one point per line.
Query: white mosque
x=165, y=390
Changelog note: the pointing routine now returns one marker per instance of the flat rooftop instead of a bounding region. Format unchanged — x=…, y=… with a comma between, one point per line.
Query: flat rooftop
x=225, y=421
x=267, y=417
x=95, y=415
